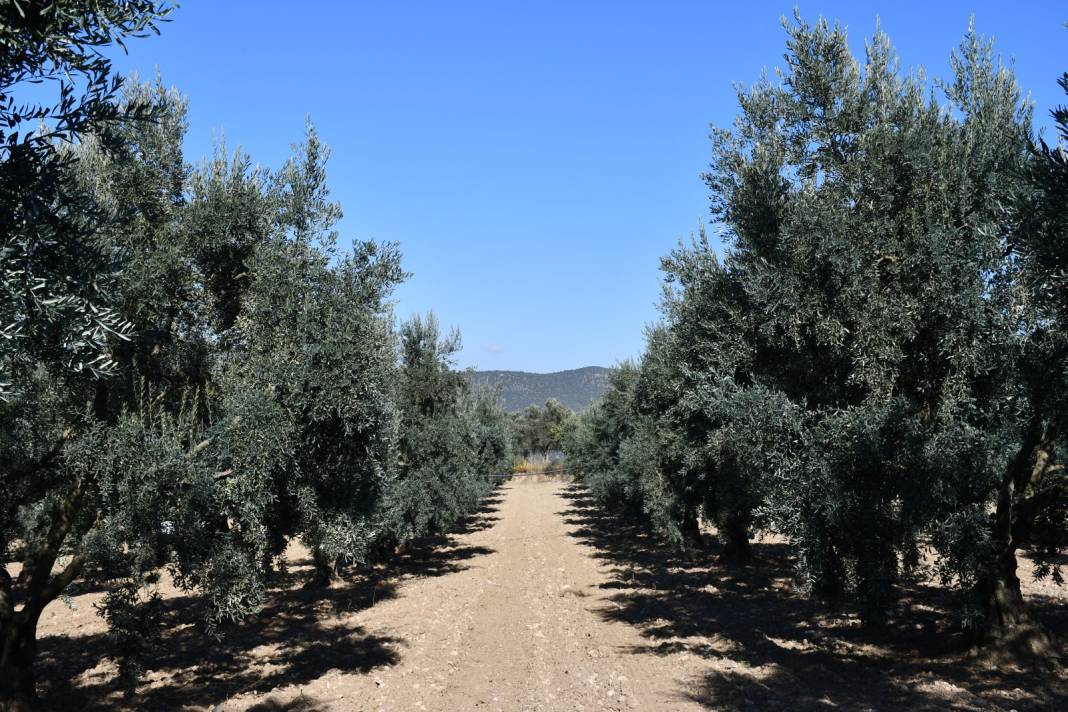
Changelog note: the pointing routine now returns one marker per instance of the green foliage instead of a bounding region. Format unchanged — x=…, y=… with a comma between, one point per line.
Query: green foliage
x=314, y=339
x=575, y=389
x=1042, y=246
x=255, y=392
x=541, y=430
x=592, y=445
x=452, y=442
x=56, y=281
x=862, y=372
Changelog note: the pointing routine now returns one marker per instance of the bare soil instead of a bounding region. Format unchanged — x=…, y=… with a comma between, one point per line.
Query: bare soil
x=543, y=603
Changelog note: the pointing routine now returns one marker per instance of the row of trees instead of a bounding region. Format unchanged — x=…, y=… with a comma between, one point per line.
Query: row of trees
x=876, y=369
x=193, y=371
x=539, y=431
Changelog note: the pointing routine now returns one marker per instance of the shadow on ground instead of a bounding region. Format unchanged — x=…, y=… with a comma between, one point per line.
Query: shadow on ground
x=768, y=648
x=298, y=636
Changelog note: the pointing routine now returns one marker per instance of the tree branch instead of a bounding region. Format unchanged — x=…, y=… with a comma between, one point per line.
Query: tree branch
x=63, y=579
x=37, y=568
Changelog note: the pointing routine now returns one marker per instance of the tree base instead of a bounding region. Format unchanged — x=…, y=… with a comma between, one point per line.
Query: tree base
x=1026, y=645
x=17, y=693
x=326, y=572
x=735, y=556
x=1012, y=634
x=736, y=550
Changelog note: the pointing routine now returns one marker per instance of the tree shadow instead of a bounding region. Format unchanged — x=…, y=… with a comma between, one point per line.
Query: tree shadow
x=298, y=705
x=769, y=648
x=485, y=517
x=299, y=635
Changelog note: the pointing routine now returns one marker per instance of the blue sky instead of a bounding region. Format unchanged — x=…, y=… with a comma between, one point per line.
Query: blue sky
x=533, y=159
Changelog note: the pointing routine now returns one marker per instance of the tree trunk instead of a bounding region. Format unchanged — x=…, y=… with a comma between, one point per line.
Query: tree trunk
x=18, y=648
x=16, y=688
x=691, y=529
x=325, y=571
x=18, y=630
x=829, y=583
x=734, y=533
x=39, y=586
x=1008, y=623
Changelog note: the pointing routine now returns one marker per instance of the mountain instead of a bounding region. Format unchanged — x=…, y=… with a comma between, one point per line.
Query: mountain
x=576, y=388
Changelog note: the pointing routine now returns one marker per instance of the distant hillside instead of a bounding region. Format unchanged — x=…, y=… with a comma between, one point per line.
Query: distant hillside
x=576, y=388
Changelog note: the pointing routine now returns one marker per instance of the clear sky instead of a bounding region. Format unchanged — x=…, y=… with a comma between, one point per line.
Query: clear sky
x=533, y=159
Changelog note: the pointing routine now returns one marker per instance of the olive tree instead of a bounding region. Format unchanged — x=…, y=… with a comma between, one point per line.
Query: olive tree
x=313, y=339
x=593, y=443
x=452, y=441
x=248, y=400
x=867, y=369
x=1031, y=504
x=870, y=230
x=56, y=292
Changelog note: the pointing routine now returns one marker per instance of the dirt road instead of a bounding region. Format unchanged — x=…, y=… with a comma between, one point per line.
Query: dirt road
x=516, y=629
x=544, y=603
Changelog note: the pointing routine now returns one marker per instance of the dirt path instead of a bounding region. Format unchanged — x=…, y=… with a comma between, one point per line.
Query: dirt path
x=545, y=603
x=517, y=629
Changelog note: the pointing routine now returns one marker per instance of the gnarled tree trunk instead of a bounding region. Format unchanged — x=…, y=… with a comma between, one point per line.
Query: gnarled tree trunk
x=18, y=649
x=36, y=587
x=1008, y=622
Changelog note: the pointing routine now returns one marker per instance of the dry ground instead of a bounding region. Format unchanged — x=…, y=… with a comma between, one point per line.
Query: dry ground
x=542, y=603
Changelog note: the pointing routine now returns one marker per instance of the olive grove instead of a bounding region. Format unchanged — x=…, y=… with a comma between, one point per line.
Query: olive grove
x=875, y=367
x=194, y=370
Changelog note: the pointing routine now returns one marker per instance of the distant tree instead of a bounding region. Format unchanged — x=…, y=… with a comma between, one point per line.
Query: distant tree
x=593, y=443
x=541, y=430
x=530, y=434
x=452, y=442
x=491, y=431
x=556, y=418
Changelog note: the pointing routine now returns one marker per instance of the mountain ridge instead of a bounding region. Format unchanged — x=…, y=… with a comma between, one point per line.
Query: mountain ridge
x=575, y=388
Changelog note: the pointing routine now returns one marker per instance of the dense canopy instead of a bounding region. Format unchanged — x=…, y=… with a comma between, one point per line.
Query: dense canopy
x=874, y=369
x=197, y=371
x=194, y=371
